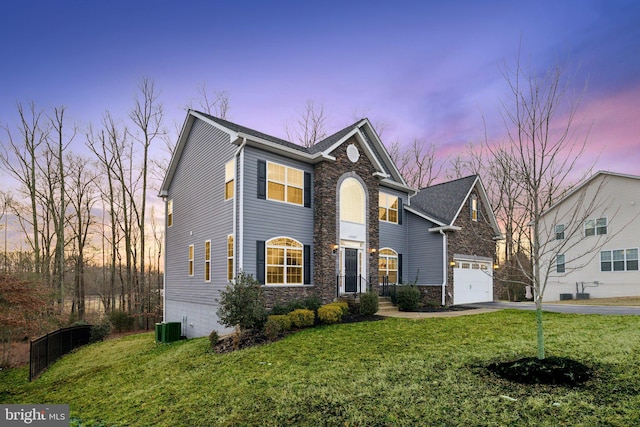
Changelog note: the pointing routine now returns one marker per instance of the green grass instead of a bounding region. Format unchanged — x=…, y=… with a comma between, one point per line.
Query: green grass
x=393, y=372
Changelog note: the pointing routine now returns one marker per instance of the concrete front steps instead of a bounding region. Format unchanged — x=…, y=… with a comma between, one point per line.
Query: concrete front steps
x=385, y=306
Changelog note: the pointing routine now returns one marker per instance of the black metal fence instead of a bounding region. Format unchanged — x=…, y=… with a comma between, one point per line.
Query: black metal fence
x=49, y=348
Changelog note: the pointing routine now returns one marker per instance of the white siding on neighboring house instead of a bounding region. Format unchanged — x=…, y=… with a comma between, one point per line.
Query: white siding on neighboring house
x=606, y=197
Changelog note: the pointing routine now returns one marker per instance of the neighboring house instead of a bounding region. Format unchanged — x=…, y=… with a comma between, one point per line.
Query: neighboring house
x=590, y=239
x=333, y=219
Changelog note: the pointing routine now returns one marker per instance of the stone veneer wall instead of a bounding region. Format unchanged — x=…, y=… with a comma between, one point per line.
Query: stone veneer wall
x=326, y=176
x=475, y=238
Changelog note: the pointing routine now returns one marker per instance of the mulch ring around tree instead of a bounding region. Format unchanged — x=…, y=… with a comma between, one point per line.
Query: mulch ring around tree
x=560, y=371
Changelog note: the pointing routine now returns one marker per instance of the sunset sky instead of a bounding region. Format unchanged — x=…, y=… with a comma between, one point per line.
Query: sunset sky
x=424, y=69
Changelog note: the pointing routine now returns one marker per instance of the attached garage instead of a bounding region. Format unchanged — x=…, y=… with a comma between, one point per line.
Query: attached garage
x=472, y=280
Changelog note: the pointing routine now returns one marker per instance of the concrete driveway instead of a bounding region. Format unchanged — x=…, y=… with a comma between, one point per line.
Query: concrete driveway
x=562, y=308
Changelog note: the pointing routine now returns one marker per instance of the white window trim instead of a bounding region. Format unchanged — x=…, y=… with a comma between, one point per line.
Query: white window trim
x=474, y=208
x=231, y=258
x=595, y=227
x=559, y=232
x=624, y=260
x=227, y=179
x=266, y=261
x=381, y=255
x=191, y=266
x=564, y=263
x=285, y=183
x=207, y=262
x=169, y=213
x=388, y=207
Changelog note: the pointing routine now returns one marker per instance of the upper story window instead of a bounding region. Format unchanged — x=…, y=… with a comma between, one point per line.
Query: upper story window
x=473, y=207
x=388, y=208
x=352, y=204
x=595, y=227
x=285, y=184
x=284, y=261
x=560, y=232
x=619, y=260
x=169, y=213
x=388, y=264
x=207, y=261
x=229, y=179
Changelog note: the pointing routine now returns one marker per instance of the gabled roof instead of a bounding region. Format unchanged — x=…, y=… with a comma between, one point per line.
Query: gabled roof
x=587, y=182
x=442, y=203
x=361, y=130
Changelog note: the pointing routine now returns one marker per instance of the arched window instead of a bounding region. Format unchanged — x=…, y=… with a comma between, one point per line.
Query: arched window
x=284, y=261
x=388, y=264
x=352, y=205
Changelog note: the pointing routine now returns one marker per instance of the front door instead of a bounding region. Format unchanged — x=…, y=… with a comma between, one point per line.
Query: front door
x=350, y=270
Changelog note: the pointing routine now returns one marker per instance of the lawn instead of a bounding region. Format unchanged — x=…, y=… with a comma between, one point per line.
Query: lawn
x=392, y=372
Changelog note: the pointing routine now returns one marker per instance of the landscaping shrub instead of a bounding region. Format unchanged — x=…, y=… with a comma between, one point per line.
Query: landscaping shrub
x=343, y=306
x=277, y=325
x=330, y=313
x=121, y=321
x=279, y=309
x=242, y=303
x=312, y=303
x=408, y=298
x=302, y=318
x=368, y=304
x=214, y=338
x=99, y=332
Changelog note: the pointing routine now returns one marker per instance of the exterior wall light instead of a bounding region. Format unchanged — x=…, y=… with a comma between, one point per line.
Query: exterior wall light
x=452, y=263
x=335, y=248
x=372, y=252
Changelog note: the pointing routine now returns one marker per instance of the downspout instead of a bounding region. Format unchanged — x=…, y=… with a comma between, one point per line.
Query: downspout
x=445, y=270
x=164, y=267
x=238, y=227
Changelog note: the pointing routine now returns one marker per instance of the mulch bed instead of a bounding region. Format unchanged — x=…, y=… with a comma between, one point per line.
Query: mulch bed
x=550, y=371
x=440, y=309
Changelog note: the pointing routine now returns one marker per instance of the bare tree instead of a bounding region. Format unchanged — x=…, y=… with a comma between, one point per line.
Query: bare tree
x=147, y=115
x=20, y=160
x=310, y=126
x=541, y=152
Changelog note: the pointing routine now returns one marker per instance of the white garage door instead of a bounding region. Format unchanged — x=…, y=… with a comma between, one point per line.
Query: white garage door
x=472, y=282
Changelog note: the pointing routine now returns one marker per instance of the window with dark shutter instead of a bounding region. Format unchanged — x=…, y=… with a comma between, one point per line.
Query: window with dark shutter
x=399, y=211
x=260, y=261
x=262, y=179
x=307, y=264
x=307, y=190
x=400, y=268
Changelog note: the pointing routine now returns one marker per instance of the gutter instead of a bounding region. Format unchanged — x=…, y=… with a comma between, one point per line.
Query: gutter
x=238, y=199
x=444, y=262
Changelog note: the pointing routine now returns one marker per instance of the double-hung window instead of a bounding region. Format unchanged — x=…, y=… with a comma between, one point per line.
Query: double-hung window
x=388, y=264
x=560, y=263
x=230, y=253
x=619, y=260
x=285, y=184
x=560, y=232
x=191, y=260
x=474, y=208
x=284, y=261
x=229, y=179
x=207, y=261
x=388, y=208
x=595, y=227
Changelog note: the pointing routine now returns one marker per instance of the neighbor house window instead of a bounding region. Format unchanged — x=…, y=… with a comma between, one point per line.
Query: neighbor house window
x=352, y=204
x=388, y=264
x=284, y=261
x=388, y=208
x=619, y=260
x=285, y=184
x=593, y=227
x=560, y=263
x=190, y=260
x=207, y=261
x=560, y=232
x=230, y=257
x=229, y=179
x=474, y=207
x=169, y=213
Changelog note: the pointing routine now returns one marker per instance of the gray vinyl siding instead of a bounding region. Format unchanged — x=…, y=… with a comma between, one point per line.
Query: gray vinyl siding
x=265, y=219
x=395, y=236
x=425, y=252
x=200, y=213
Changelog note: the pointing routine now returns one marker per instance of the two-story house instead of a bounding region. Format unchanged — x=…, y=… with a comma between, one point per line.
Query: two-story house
x=333, y=219
x=589, y=240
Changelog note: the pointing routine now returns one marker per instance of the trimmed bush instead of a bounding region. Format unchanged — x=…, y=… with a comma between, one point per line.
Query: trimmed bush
x=343, y=306
x=279, y=309
x=283, y=320
x=408, y=298
x=330, y=313
x=121, y=321
x=214, y=338
x=99, y=332
x=302, y=318
x=312, y=303
x=242, y=303
x=368, y=304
